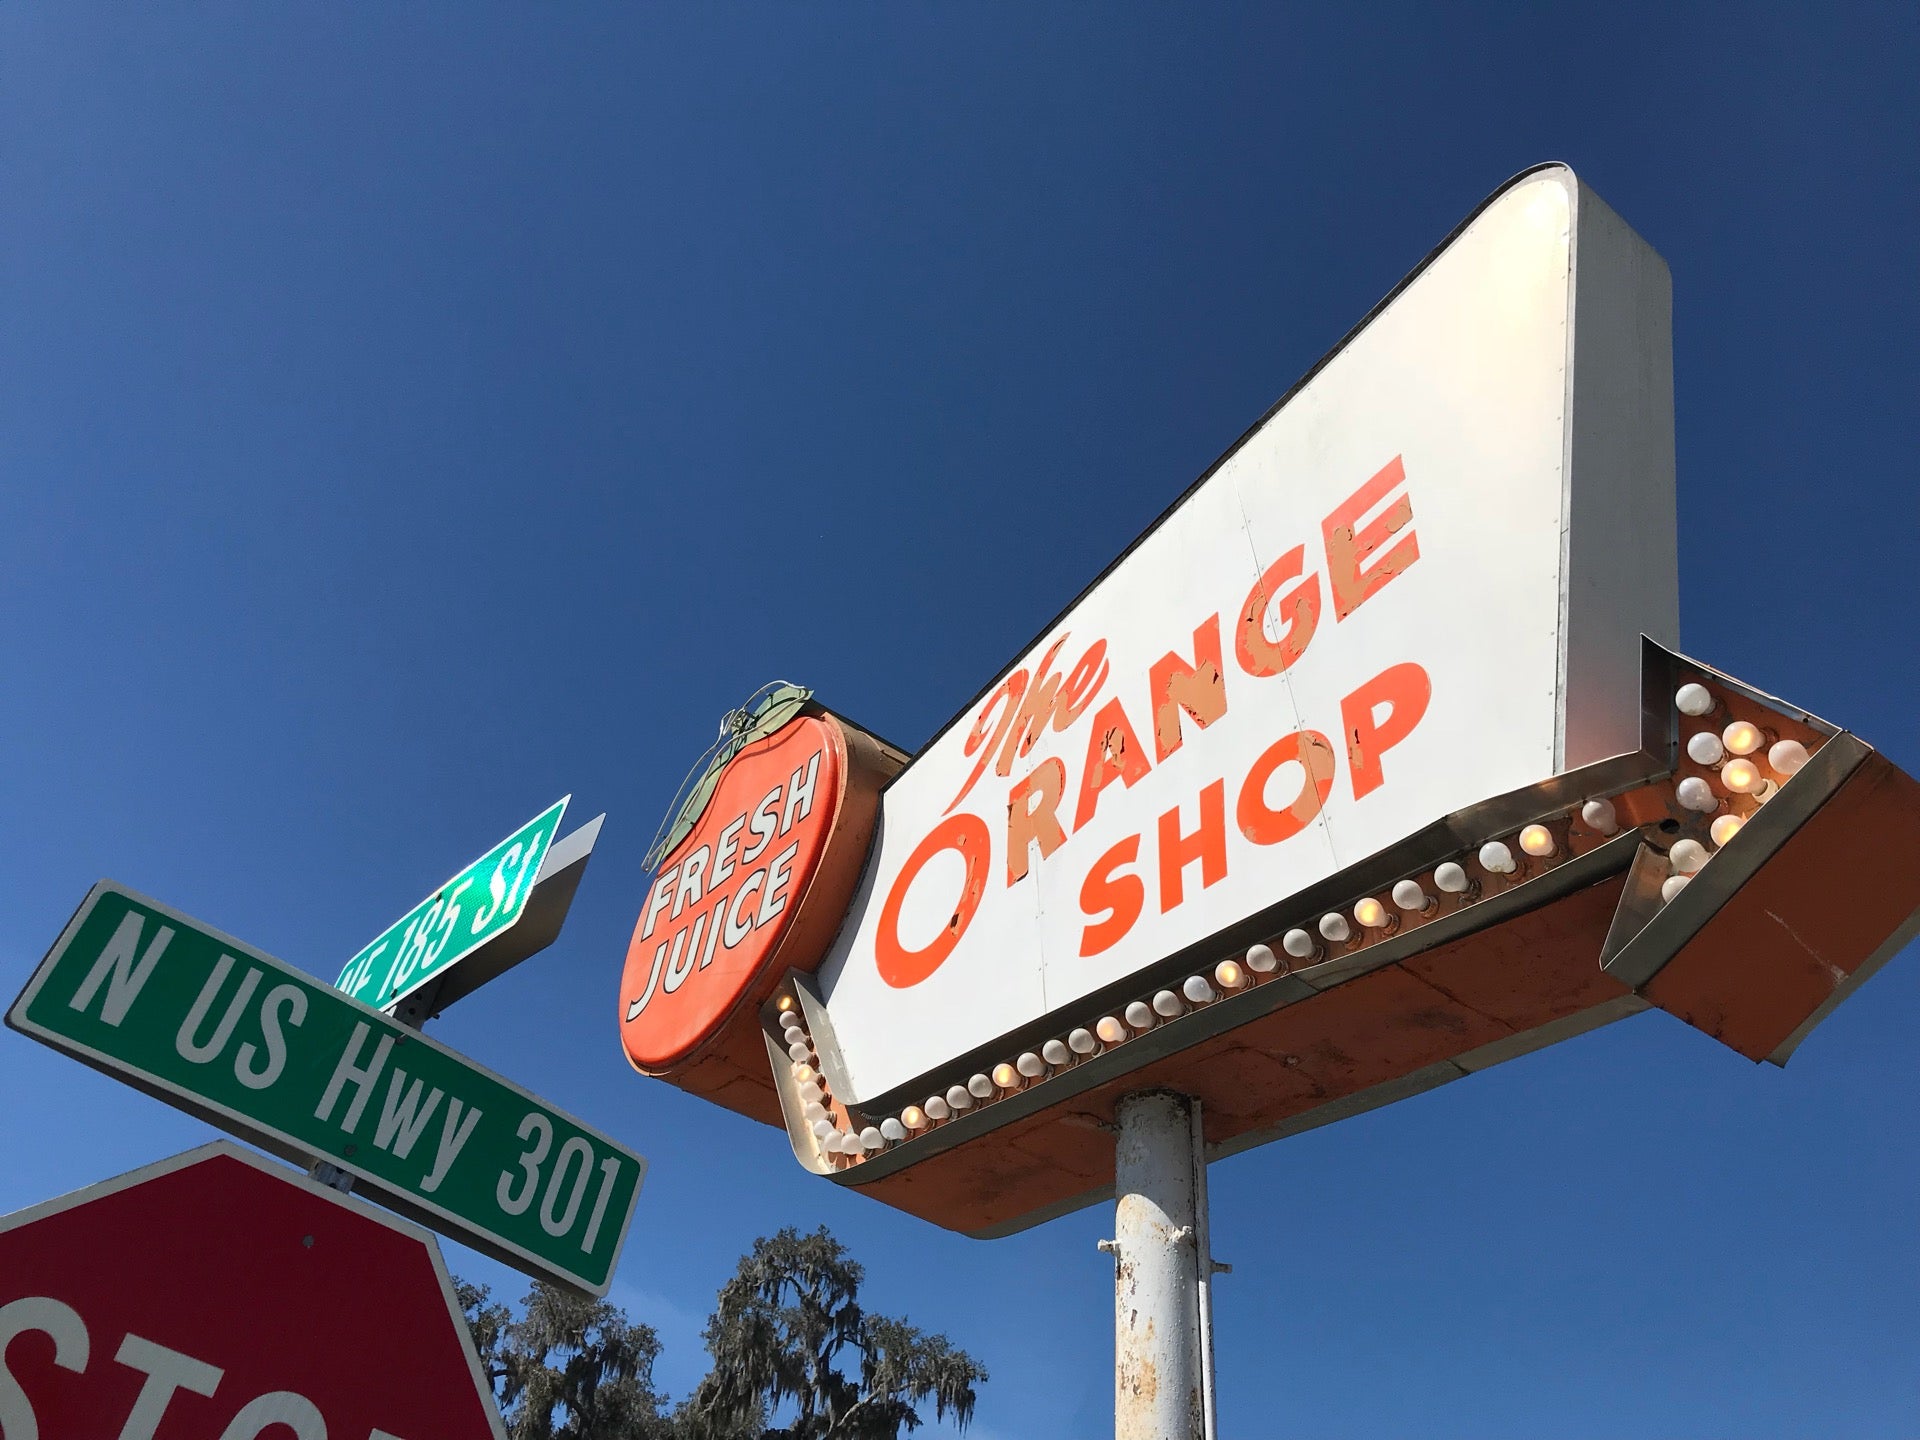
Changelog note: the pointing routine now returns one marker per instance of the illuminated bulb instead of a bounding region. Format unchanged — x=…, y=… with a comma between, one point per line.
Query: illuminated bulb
x=871, y=1137
x=815, y=1112
x=804, y=1073
x=1687, y=856
x=980, y=1087
x=1695, y=794
x=1787, y=757
x=1675, y=884
x=1370, y=913
x=1496, y=857
x=1705, y=748
x=1299, y=944
x=1166, y=1003
x=1081, y=1042
x=1110, y=1030
x=784, y=1003
x=937, y=1107
x=798, y=1051
x=958, y=1099
x=892, y=1129
x=913, y=1118
x=810, y=1093
x=1057, y=1054
x=1005, y=1077
x=1229, y=975
x=1600, y=816
x=1261, y=960
x=1139, y=1016
x=1725, y=828
x=1335, y=928
x=1740, y=776
x=822, y=1128
x=1198, y=990
x=1537, y=841
x=1452, y=878
x=1693, y=700
x=1742, y=737
x=1409, y=896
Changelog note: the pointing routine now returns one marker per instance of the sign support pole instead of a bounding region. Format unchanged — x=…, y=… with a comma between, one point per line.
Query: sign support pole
x=1162, y=1325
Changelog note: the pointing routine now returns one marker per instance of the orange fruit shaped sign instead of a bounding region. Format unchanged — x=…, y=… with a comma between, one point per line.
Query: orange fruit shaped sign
x=727, y=895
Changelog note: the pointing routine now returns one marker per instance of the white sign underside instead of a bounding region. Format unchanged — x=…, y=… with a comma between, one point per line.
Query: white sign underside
x=1508, y=413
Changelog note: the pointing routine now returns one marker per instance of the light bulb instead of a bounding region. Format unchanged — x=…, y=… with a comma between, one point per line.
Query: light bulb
x=1537, y=841
x=1452, y=878
x=1742, y=737
x=958, y=1098
x=1005, y=1077
x=1740, y=776
x=803, y=1073
x=1686, y=856
x=810, y=1093
x=798, y=1051
x=1693, y=700
x=1409, y=896
x=1370, y=913
x=1110, y=1030
x=1765, y=791
x=1299, y=944
x=980, y=1087
x=1787, y=757
x=1197, y=989
x=871, y=1137
x=1081, y=1042
x=1261, y=960
x=1166, y=1003
x=892, y=1129
x=1139, y=1017
x=1334, y=927
x=815, y=1111
x=1496, y=857
x=1673, y=886
x=822, y=1128
x=937, y=1107
x=1695, y=794
x=1055, y=1052
x=1030, y=1064
x=784, y=1003
x=1725, y=828
x=914, y=1118
x=1705, y=748
x=1600, y=816
x=1229, y=974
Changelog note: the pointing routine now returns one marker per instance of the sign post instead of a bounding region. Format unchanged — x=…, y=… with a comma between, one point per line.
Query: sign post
x=216, y=1294
x=249, y=1043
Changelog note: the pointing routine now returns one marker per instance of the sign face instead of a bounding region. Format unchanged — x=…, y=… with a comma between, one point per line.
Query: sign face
x=1375, y=611
x=726, y=894
x=253, y=1045
x=483, y=900
x=215, y=1294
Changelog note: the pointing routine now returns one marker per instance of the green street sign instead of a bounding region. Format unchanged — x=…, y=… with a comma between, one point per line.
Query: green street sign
x=480, y=902
x=247, y=1042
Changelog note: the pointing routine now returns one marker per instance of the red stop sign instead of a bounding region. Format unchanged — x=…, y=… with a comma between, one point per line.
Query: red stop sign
x=217, y=1296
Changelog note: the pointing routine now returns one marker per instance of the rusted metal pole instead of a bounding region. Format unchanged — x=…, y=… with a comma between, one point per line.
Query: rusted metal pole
x=1159, y=1386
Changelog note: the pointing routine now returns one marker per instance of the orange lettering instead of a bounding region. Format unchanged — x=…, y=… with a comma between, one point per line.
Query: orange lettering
x=1350, y=545
x=899, y=966
x=1405, y=690
x=1030, y=817
x=1208, y=845
x=1114, y=752
x=1120, y=896
x=1198, y=688
x=1300, y=606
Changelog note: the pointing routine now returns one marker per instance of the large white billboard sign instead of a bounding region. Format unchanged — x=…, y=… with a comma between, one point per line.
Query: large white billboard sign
x=1419, y=583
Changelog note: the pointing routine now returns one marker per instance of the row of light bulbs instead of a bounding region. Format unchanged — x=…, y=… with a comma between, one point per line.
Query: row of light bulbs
x=1729, y=750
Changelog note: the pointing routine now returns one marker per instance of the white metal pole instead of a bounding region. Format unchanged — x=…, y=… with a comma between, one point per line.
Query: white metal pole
x=1204, y=1268
x=1158, y=1389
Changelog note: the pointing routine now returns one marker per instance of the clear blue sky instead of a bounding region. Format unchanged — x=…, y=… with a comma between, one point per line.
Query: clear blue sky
x=411, y=414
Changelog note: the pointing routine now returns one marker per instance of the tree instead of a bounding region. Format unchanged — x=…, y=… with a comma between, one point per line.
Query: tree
x=779, y=1333
x=569, y=1368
